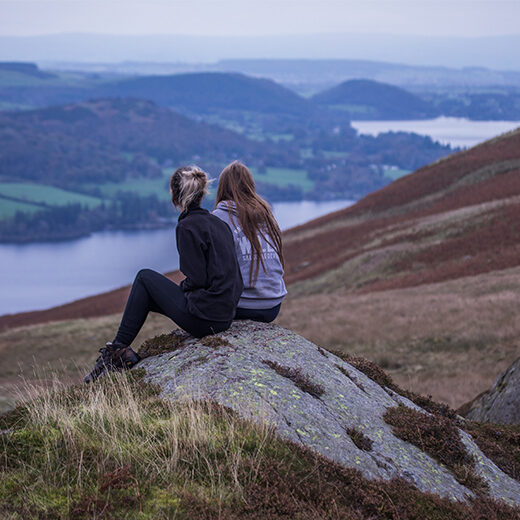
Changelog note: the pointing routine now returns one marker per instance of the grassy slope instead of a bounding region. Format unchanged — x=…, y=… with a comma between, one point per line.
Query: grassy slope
x=422, y=276
x=8, y=208
x=49, y=195
x=114, y=450
x=449, y=339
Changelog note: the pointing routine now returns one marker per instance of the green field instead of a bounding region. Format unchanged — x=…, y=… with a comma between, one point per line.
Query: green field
x=306, y=153
x=335, y=155
x=281, y=137
x=284, y=177
x=141, y=185
x=9, y=207
x=395, y=173
x=39, y=193
x=31, y=196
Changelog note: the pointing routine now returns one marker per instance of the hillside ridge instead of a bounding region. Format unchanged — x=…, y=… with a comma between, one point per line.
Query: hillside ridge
x=470, y=199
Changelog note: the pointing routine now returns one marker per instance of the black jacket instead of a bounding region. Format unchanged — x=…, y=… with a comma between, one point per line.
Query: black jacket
x=207, y=258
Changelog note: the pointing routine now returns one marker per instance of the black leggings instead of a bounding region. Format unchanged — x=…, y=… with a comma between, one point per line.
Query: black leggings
x=265, y=315
x=152, y=291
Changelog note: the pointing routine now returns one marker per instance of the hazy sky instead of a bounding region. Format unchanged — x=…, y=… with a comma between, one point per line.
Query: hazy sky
x=261, y=17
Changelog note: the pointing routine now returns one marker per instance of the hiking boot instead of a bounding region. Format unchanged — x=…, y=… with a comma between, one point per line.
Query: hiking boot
x=113, y=357
x=123, y=357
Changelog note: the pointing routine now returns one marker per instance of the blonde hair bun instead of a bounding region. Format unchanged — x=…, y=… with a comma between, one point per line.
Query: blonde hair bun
x=188, y=185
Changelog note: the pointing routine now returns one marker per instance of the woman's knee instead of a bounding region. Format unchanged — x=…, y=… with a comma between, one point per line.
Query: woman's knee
x=144, y=274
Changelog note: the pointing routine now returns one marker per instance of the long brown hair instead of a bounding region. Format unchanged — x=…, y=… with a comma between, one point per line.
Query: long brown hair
x=236, y=184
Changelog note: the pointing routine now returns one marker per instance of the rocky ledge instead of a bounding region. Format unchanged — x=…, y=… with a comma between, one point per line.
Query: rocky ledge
x=313, y=397
x=501, y=403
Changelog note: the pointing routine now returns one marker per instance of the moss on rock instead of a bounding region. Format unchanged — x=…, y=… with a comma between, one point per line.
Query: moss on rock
x=161, y=344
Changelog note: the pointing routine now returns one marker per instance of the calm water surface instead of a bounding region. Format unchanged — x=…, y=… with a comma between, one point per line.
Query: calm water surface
x=456, y=131
x=38, y=276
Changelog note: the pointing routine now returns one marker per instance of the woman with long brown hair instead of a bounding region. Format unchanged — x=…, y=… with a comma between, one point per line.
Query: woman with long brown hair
x=258, y=243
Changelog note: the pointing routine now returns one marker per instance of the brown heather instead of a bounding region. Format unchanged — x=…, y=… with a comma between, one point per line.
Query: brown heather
x=301, y=380
x=499, y=442
x=360, y=439
x=439, y=437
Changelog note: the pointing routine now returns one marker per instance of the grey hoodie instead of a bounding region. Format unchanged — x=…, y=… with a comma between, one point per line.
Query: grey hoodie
x=269, y=289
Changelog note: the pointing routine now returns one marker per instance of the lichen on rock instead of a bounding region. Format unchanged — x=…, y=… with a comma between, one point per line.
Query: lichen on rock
x=239, y=369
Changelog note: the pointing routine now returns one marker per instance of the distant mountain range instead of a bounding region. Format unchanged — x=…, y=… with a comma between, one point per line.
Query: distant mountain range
x=230, y=98
x=312, y=76
x=193, y=93
x=497, y=52
x=210, y=91
x=307, y=76
x=372, y=100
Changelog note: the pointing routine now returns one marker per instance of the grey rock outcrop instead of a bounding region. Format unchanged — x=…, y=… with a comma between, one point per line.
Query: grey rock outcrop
x=266, y=372
x=501, y=403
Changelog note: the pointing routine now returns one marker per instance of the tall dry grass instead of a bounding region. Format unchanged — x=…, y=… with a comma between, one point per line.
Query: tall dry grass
x=66, y=447
x=33, y=352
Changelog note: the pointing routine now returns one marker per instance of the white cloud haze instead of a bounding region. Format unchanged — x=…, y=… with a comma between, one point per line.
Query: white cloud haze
x=261, y=17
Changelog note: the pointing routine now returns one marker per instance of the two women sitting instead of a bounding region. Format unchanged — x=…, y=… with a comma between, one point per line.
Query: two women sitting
x=232, y=260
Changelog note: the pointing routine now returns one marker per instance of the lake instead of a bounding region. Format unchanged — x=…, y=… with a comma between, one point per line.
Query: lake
x=43, y=275
x=456, y=131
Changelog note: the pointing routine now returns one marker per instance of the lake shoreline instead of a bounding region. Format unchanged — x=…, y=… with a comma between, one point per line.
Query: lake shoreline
x=67, y=237
x=458, y=132
x=43, y=275
x=159, y=224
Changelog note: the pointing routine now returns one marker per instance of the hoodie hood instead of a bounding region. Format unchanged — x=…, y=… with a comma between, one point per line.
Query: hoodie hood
x=228, y=205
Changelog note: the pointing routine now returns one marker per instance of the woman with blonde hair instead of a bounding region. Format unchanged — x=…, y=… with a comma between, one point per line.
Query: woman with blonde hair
x=205, y=301
x=258, y=243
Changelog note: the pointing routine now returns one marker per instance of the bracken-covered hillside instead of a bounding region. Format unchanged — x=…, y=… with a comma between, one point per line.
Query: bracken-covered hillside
x=456, y=217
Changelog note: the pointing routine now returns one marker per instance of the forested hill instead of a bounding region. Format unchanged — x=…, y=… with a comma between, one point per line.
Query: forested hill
x=366, y=99
x=207, y=91
x=24, y=69
x=24, y=85
x=86, y=142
